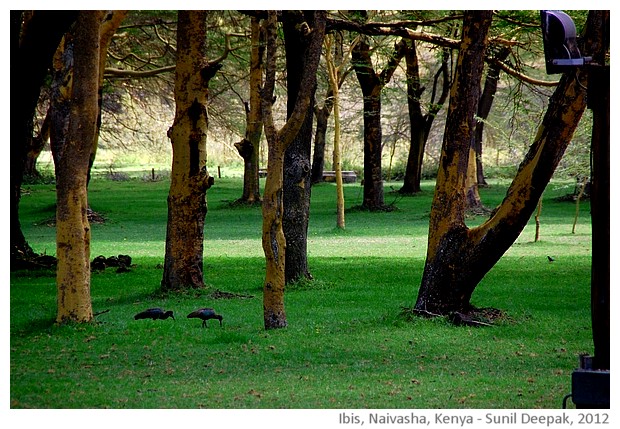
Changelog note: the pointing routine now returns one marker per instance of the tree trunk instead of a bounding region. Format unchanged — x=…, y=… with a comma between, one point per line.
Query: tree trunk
x=484, y=108
x=333, y=71
x=318, y=157
x=273, y=240
x=297, y=167
x=33, y=43
x=72, y=227
x=371, y=84
x=109, y=26
x=420, y=123
x=413, y=171
x=187, y=205
x=60, y=97
x=36, y=147
x=457, y=257
x=249, y=147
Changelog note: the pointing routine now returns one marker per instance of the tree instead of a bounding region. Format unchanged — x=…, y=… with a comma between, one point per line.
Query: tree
x=334, y=70
x=72, y=226
x=458, y=257
x=249, y=147
x=190, y=180
x=322, y=114
x=297, y=166
x=273, y=240
x=34, y=39
x=371, y=84
x=484, y=108
x=420, y=122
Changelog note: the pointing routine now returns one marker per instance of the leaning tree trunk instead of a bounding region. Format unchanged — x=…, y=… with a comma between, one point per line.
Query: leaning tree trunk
x=187, y=205
x=72, y=227
x=273, y=240
x=458, y=257
x=297, y=166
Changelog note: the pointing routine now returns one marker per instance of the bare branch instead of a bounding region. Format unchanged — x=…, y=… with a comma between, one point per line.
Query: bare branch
x=120, y=73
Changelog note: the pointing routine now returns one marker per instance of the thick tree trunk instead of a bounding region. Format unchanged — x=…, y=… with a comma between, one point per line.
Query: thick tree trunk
x=273, y=240
x=72, y=227
x=457, y=257
x=249, y=147
x=371, y=84
x=60, y=97
x=187, y=206
x=297, y=167
x=33, y=44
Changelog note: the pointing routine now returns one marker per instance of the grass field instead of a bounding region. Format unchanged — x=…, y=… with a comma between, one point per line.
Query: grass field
x=347, y=344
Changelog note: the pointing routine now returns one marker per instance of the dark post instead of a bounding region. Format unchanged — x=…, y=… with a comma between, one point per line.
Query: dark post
x=598, y=102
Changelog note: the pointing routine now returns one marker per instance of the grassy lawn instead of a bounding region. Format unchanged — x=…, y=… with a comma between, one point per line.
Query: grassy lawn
x=347, y=344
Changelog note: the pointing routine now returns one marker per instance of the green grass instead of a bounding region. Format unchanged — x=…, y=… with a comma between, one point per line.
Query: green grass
x=346, y=346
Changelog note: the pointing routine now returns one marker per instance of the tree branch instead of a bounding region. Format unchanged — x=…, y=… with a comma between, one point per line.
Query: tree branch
x=516, y=74
x=120, y=73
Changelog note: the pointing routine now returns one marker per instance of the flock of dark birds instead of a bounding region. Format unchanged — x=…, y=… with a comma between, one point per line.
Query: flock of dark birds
x=159, y=314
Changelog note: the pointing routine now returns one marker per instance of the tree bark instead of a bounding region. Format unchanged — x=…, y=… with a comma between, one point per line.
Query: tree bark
x=297, y=166
x=249, y=147
x=318, y=156
x=458, y=257
x=273, y=240
x=420, y=123
x=333, y=70
x=33, y=42
x=484, y=108
x=371, y=84
x=109, y=26
x=72, y=226
x=187, y=205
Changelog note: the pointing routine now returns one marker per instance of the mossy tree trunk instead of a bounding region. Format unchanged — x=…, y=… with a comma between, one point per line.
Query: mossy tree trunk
x=273, y=240
x=459, y=257
x=72, y=226
x=189, y=181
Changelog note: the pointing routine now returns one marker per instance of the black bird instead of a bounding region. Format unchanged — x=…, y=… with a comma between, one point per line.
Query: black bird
x=550, y=259
x=205, y=314
x=154, y=313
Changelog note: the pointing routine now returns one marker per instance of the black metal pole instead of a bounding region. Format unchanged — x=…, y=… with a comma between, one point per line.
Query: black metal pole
x=598, y=100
